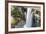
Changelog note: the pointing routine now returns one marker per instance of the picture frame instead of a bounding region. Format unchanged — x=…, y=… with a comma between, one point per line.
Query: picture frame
x=21, y=4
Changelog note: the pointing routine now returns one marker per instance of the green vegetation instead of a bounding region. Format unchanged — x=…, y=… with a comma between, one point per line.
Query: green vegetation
x=36, y=18
x=15, y=12
x=16, y=15
x=13, y=21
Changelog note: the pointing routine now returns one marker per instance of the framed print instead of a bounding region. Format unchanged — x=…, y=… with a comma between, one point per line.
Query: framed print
x=24, y=16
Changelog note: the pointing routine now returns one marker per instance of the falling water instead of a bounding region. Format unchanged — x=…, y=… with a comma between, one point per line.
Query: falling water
x=28, y=18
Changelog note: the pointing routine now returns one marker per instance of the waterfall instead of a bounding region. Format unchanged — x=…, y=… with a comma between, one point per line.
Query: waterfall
x=28, y=18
